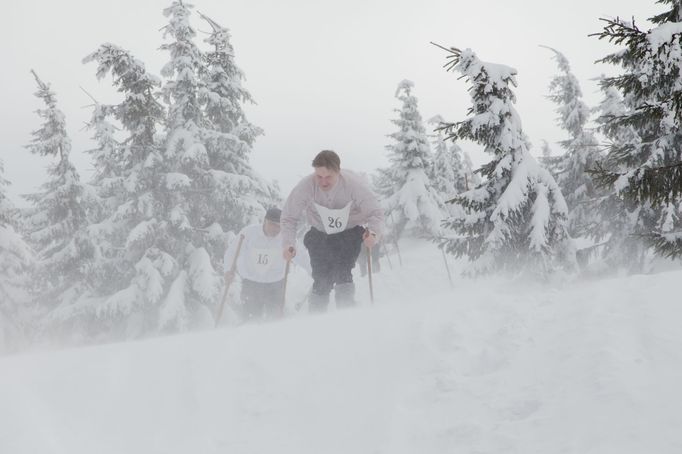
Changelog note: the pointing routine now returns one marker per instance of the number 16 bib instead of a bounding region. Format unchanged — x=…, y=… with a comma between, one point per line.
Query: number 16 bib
x=334, y=221
x=262, y=260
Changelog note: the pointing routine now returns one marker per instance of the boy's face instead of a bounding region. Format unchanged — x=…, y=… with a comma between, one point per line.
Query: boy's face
x=270, y=228
x=325, y=178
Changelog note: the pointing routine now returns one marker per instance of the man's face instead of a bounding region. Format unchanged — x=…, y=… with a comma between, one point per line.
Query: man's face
x=325, y=178
x=270, y=228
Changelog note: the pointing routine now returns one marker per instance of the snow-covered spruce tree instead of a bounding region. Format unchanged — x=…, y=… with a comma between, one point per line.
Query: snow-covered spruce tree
x=549, y=160
x=75, y=319
x=239, y=193
x=581, y=149
x=651, y=170
x=127, y=168
x=107, y=156
x=472, y=179
x=618, y=232
x=200, y=191
x=174, y=194
x=412, y=205
x=16, y=259
x=161, y=280
x=447, y=174
x=517, y=218
x=57, y=220
x=134, y=264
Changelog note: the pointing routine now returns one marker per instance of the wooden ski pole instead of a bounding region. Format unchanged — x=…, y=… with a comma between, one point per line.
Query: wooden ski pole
x=284, y=289
x=369, y=274
x=233, y=269
x=447, y=268
x=397, y=248
x=388, y=257
x=395, y=242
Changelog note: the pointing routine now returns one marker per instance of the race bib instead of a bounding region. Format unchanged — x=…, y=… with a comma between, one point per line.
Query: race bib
x=334, y=221
x=261, y=260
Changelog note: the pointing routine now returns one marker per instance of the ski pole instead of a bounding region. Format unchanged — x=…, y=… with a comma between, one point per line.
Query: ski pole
x=395, y=241
x=233, y=268
x=284, y=289
x=369, y=274
x=388, y=257
x=447, y=268
x=397, y=248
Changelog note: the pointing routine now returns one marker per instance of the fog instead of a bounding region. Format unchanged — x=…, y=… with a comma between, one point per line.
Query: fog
x=427, y=361
x=323, y=73
x=488, y=366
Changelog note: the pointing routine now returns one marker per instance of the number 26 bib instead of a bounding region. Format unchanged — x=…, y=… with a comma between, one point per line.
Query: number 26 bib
x=334, y=221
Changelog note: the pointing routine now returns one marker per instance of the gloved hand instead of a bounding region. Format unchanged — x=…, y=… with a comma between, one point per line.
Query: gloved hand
x=289, y=253
x=369, y=238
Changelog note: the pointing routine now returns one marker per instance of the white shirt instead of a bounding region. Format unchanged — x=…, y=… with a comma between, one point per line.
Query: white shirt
x=260, y=257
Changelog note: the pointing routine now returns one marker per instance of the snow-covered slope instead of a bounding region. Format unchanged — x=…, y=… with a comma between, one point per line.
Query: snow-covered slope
x=490, y=367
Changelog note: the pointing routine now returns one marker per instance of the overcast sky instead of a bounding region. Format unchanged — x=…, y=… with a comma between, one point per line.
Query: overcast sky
x=323, y=73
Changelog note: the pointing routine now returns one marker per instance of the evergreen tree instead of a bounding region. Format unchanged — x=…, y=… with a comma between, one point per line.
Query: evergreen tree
x=146, y=242
x=133, y=263
x=129, y=168
x=16, y=259
x=140, y=114
x=651, y=169
x=107, y=158
x=517, y=217
x=548, y=160
x=581, y=148
x=622, y=224
x=471, y=177
x=58, y=218
x=448, y=173
x=182, y=88
x=412, y=204
x=193, y=212
x=239, y=193
x=173, y=196
x=223, y=97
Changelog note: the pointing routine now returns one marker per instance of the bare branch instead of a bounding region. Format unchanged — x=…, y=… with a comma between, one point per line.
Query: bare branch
x=41, y=84
x=89, y=95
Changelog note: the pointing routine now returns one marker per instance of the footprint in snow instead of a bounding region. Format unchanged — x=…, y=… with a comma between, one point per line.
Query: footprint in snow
x=521, y=409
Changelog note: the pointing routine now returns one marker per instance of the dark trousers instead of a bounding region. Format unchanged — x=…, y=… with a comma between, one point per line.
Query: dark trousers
x=332, y=257
x=262, y=299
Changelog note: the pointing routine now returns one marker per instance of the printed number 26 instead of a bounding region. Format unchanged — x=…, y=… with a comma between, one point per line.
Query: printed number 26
x=334, y=222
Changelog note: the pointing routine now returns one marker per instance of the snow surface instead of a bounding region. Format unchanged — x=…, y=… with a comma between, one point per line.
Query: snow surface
x=491, y=366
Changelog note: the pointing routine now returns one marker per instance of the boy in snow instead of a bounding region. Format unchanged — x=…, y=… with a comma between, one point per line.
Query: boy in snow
x=344, y=214
x=261, y=267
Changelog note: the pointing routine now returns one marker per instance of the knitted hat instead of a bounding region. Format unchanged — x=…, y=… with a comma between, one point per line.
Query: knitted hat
x=273, y=214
